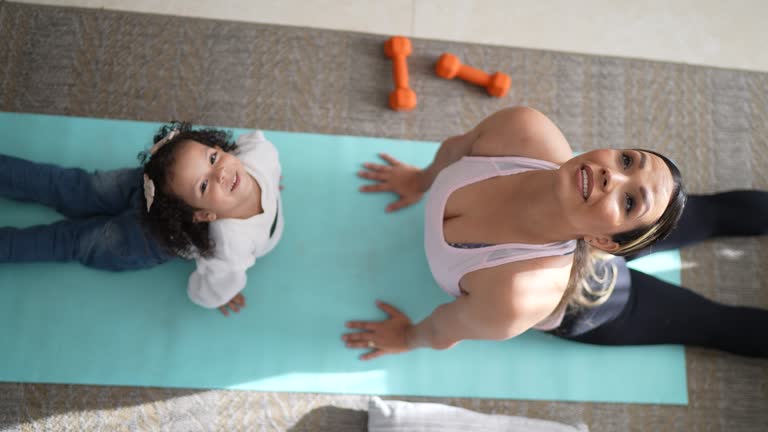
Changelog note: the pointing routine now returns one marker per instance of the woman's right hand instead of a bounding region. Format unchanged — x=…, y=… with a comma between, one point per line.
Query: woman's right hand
x=389, y=336
x=407, y=181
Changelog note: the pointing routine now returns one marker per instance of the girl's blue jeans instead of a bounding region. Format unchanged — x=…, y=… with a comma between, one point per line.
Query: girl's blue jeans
x=101, y=228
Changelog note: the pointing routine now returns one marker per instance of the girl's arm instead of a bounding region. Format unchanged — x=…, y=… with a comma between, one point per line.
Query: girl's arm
x=215, y=283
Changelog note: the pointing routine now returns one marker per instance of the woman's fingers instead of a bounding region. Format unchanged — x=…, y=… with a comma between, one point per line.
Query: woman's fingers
x=373, y=175
x=377, y=187
x=377, y=167
x=358, y=345
x=389, y=309
x=361, y=325
x=379, y=337
x=361, y=339
x=358, y=337
x=389, y=159
x=370, y=355
x=358, y=340
x=223, y=309
x=397, y=205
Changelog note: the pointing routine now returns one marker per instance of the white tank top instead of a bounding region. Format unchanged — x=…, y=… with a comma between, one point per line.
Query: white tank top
x=449, y=264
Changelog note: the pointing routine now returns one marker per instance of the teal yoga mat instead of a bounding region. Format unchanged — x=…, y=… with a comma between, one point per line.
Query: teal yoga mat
x=64, y=323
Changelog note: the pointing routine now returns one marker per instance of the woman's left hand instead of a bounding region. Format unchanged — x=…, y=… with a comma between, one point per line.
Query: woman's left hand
x=389, y=336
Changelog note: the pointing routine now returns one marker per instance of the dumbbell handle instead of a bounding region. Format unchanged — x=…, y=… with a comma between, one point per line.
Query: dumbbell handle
x=400, y=71
x=473, y=75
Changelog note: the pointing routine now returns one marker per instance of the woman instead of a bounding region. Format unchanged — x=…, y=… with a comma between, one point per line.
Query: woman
x=501, y=231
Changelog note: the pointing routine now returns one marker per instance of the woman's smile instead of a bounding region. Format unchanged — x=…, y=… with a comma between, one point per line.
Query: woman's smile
x=585, y=181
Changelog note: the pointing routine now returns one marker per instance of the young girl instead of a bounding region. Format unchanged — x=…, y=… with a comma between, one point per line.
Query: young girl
x=199, y=195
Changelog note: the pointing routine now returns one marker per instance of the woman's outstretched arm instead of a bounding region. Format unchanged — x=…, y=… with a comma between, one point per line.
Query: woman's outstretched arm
x=517, y=131
x=498, y=311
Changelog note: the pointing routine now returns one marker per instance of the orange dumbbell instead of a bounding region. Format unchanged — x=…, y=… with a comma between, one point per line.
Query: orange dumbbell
x=402, y=97
x=449, y=66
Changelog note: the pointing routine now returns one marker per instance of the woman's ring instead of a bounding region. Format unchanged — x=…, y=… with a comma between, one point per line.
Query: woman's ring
x=371, y=344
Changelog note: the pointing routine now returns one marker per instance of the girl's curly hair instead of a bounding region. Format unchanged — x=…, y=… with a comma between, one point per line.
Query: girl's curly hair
x=170, y=220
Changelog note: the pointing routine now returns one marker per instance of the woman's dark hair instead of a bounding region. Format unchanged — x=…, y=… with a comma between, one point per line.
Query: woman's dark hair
x=637, y=239
x=170, y=220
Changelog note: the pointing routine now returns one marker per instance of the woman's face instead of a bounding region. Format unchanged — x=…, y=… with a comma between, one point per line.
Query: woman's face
x=210, y=179
x=606, y=192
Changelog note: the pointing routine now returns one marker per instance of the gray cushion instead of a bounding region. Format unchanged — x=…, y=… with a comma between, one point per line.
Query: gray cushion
x=396, y=416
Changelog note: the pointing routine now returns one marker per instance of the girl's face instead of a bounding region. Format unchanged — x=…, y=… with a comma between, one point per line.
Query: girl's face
x=211, y=180
x=606, y=192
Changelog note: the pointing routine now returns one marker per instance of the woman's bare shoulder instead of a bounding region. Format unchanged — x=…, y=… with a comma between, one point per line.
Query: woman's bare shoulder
x=521, y=131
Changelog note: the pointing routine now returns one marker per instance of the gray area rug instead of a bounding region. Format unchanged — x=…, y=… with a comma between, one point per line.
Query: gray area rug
x=96, y=63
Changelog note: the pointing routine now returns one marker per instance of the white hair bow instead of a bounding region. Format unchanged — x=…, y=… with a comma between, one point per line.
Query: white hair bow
x=171, y=135
x=149, y=191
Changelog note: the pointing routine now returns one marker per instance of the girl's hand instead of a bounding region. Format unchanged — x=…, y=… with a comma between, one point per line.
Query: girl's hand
x=381, y=337
x=406, y=181
x=237, y=303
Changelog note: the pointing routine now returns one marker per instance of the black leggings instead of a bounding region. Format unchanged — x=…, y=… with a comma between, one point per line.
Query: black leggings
x=644, y=310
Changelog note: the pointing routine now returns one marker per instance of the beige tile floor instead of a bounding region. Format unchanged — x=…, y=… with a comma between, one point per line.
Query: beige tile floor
x=703, y=32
